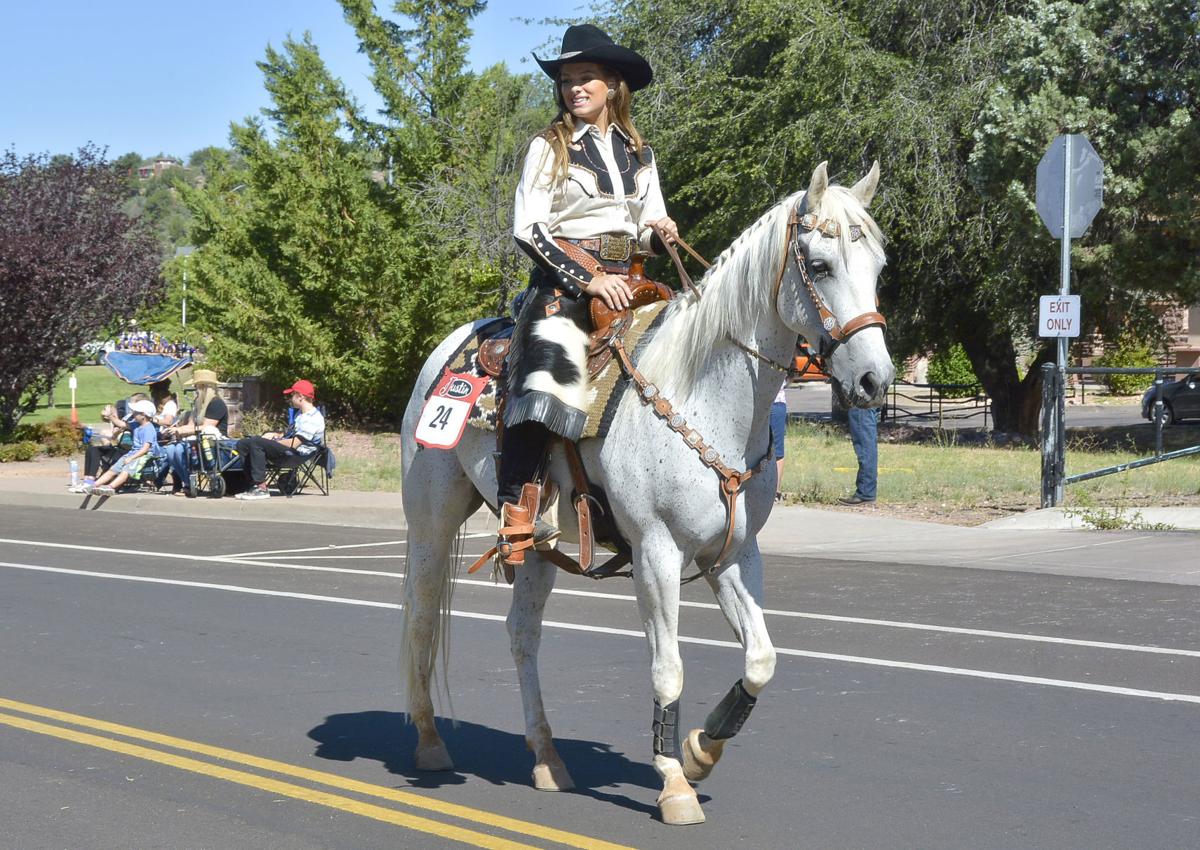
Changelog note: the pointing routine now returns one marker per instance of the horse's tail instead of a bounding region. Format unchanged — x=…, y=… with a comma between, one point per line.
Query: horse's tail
x=416, y=655
x=438, y=497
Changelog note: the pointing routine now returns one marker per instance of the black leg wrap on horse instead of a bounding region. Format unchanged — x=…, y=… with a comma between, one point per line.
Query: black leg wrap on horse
x=666, y=730
x=731, y=712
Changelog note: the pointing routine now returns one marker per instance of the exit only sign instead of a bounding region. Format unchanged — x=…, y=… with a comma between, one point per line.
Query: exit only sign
x=1058, y=315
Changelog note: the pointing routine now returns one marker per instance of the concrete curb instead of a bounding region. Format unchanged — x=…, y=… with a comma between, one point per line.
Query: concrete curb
x=1156, y=519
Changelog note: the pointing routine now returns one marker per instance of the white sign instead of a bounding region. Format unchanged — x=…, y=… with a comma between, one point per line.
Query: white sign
x=1058, y=315
x=72, y=383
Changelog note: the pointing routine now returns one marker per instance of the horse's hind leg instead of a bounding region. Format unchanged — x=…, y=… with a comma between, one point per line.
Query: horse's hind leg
x=438, y=498
x=738, y=588
x=532, y=586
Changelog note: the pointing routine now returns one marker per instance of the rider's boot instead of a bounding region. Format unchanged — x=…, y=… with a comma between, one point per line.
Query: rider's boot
x=521, y=528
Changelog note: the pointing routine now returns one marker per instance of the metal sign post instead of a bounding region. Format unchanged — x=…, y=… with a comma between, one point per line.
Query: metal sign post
x=1070, y=191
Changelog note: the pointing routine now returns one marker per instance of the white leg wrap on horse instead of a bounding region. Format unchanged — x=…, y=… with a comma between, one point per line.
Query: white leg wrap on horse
x=731, y=712
x=666, y=729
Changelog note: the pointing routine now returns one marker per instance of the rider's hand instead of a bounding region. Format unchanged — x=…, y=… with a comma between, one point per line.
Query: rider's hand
x=668, y=225
x=611, y=288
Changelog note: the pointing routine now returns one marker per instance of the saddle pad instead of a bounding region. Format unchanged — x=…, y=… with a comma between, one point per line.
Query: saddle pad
x=602, y=392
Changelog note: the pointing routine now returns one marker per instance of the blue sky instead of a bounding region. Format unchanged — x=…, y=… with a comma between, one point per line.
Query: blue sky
x=169, y=77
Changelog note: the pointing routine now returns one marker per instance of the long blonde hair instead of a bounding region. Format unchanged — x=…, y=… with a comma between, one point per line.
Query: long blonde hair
x=563, y=127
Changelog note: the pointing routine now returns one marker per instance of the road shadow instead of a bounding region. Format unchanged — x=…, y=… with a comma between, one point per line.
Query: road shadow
x=492, y=755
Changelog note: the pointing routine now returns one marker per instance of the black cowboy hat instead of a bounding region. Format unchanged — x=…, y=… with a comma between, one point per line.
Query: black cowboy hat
x=588, y=43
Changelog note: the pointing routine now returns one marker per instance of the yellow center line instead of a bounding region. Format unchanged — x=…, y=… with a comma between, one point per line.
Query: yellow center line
x=274, y=786
x=480, y=816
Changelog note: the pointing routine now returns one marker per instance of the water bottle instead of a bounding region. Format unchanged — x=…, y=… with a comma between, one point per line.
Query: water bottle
x=74, y=467
x=87, y=435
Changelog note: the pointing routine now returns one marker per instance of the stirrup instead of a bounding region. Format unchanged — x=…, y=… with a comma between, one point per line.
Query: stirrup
x=517, y=533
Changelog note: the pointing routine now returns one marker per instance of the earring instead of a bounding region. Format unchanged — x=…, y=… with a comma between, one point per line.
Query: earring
x=612, y=93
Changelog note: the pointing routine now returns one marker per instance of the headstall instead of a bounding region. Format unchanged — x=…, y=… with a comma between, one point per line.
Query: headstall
x=837, y=332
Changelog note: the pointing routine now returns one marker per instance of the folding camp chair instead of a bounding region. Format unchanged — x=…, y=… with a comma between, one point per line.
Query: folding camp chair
x=296, y=471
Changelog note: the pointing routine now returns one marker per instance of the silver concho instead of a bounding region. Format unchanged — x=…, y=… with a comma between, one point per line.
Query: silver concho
x=828, y=322
x=710, y=454
x=650, y=391
x=677, y=420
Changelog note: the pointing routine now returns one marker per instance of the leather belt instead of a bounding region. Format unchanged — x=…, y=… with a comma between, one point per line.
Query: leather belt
x=615, y=247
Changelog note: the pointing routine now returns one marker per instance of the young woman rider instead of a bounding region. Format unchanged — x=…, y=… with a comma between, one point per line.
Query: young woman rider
x=588, y=194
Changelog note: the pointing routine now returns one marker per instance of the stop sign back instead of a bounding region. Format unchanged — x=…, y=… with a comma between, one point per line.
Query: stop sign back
x=1087, y=185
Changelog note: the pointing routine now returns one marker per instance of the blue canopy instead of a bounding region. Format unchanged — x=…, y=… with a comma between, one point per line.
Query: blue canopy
x=143, y=368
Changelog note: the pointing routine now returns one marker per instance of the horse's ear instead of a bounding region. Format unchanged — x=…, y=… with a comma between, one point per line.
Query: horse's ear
x=864, y=189
x=817, y=186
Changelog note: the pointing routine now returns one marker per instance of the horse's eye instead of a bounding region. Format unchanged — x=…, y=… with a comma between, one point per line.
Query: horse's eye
x=820, y=268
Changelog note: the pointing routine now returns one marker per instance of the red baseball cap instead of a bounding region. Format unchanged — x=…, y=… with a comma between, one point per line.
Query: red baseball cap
x=305, y=388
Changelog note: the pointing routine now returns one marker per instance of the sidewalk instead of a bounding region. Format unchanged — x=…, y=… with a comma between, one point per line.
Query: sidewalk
x=1048, y=541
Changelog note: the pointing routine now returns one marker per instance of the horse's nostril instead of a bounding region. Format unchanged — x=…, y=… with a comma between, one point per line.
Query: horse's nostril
x=869, y=383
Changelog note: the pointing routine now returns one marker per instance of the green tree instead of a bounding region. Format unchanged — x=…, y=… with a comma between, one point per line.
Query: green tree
x=451, y=139
x=305, y=265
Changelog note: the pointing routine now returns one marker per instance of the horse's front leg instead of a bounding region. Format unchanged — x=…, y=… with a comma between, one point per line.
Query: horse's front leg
x=658, y=563
x=532, y=586
x=738, y=588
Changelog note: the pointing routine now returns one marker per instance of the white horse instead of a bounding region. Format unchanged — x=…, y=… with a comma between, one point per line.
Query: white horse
x=808, y=267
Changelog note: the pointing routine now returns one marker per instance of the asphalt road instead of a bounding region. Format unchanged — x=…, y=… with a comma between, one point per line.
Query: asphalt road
x=158, y=691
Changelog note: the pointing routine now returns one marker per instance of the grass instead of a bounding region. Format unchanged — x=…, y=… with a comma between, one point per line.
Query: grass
x=935, y=477
x=366, y=461
x=941, y=473
x=97, y=387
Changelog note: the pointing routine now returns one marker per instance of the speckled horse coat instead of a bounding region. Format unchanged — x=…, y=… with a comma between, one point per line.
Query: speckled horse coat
x=666, y=502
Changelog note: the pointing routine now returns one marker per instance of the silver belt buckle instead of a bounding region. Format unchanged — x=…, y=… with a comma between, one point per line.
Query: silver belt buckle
x=615, y=247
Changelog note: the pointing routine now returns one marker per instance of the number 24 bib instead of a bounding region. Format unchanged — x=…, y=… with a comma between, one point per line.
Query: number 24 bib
x=446, y=411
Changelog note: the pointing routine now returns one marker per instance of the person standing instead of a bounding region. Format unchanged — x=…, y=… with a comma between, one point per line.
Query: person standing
x=304, y=437
x=588, y=197
x=864, y=436
x=778, y=434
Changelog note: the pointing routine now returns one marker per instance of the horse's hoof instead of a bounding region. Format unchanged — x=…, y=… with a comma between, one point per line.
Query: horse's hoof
x=549, y=776
x=678, y=804
x=436, y=757
x=700, y=754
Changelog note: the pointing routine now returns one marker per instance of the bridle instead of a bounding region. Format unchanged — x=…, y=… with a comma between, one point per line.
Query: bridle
x=834, y=333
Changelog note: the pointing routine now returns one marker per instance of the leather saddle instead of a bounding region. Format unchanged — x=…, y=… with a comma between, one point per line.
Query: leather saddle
x=607, y=324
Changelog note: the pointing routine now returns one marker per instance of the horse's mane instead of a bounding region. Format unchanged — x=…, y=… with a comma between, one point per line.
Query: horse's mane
x=737, y=290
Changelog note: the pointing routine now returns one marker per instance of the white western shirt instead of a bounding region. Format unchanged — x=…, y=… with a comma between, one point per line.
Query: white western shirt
x=608, y=190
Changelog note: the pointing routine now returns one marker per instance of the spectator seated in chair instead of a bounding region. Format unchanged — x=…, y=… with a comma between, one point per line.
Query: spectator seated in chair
x=131, y=464
x=108, y=443
x=213, y=416
x=304, y=437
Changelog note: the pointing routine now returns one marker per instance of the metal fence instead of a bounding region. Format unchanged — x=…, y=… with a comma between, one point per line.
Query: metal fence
x=1054, y=477
x=906, y=400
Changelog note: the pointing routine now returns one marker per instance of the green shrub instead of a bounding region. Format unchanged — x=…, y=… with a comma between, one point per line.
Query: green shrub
x=24, y=450
x=58, y=437
x=952, y=366
x=1127, y=353
x=259, y=420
